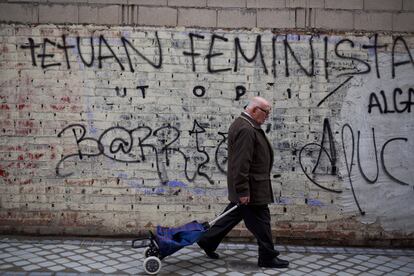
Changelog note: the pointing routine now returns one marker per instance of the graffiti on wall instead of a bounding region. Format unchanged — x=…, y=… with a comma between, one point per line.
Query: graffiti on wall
x=46, y=58
x=117, y=141
x=344, y=65
x=350, y=159
x=369, y=147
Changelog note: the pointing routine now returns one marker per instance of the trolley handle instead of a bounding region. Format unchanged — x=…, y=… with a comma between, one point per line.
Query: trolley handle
x=145, y=242
x=211, y=223
x=141, y=243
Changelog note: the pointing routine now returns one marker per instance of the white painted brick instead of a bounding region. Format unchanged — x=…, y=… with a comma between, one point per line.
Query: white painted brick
x=87, y=14
x=315, y=4
x=403, y=21
x=197, y=17
x=296, y=3
x=108, y=2
x=157, y=16
x=345, y=5
x=373, y=21
x=25, y=13
x=58, y=14
x=227, y=4
x=266, y=4
x=408, y=5
x=388, y=5
x=148, y=2
x=187, y=3
x=236, y=18
x=341, y=20
x=276, y=18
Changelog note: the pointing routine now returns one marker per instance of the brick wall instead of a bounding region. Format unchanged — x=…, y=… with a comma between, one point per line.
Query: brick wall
x=111, y=130
x=366, y=15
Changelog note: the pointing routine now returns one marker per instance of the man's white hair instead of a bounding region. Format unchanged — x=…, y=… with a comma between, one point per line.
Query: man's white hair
x=256, y=101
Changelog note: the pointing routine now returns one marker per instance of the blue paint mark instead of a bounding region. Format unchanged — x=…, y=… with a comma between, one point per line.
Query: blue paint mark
x=89, y=115
x=176, y=184
x=152, y=191
x=92, y=129
x=283, y=201
x=126, y=34
x=279, y=38
x=334, y=39
x=159, y=191
x=199, y=191
x=371, y=51
x=134, y=183
x=315, y=202
x=123, y=175
x=292, y=37
x=75, y=52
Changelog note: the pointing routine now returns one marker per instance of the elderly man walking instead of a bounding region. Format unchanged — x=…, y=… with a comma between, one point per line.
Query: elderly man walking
x=250, y=160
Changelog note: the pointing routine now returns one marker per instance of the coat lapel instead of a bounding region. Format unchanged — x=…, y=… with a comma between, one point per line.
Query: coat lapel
x=257, y=126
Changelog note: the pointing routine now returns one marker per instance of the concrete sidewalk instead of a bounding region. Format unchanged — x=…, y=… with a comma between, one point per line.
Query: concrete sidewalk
x=72, y=257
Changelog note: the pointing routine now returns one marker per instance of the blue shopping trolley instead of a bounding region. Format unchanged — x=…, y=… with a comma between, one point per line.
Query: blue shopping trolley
x=168, y=240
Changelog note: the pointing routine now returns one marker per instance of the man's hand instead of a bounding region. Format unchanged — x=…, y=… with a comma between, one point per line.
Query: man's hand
x=244, y=200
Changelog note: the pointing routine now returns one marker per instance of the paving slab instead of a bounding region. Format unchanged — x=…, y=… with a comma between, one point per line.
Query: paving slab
x=34, y=256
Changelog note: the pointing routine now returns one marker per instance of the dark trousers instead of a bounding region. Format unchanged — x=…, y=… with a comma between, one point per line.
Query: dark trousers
x=256, y=219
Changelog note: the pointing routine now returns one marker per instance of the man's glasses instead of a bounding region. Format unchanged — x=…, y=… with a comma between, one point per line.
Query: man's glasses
x=264, y=110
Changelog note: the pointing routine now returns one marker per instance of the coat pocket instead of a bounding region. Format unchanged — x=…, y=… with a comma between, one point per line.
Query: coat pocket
x=260, y=189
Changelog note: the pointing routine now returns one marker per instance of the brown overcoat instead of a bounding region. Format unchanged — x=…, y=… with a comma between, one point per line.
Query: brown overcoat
x=250, y=160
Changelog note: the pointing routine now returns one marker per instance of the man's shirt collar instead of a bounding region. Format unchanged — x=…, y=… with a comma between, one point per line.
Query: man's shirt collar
x=250, y=119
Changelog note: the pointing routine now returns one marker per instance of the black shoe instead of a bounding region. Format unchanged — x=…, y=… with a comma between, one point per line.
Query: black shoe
x=273, y=263
x=211, y=254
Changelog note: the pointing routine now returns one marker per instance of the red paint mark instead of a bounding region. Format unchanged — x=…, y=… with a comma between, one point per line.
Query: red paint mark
x=76, y=108
x=23, y=132
x=6, y=123
x=30, y=166
x=57, y=107
x=20, y=157
x=3, y=173
x=65, y=99
x=21, y=106
x=11, y=148
x=35, y=156
x=4, y=107
x=26, y=124
x=24, y=182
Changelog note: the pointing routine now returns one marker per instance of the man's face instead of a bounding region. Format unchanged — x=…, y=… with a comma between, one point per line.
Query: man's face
x=261, y=113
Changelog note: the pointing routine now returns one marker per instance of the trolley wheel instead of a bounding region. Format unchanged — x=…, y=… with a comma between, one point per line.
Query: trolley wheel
x=150, y=251
x=152, y=265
